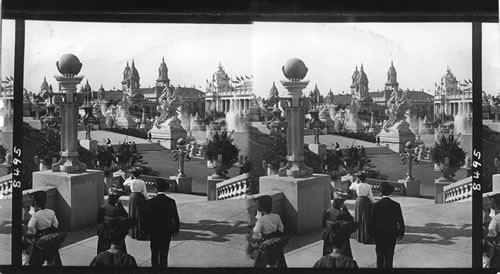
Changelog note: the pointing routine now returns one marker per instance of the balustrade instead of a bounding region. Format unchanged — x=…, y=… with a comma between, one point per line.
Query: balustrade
x=399, y=188
x=5, y=186
x=460, y=191
x=234, y=188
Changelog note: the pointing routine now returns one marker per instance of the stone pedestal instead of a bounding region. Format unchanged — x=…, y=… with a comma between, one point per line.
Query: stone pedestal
x=79, y=196
x=90, y=145
x=319, y=149
x=305, y=200
x=412, y=187
x=211, y=188
x=396, y=139
x=168, y=136
x=184, y=184
x=439, y=185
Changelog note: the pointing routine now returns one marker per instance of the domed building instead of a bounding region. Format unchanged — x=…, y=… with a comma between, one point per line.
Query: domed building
x=452, y=97
x=224, y=93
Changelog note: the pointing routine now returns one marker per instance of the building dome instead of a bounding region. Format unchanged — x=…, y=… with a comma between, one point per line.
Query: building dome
x=295, y=69
x=126, y=71
x=69, y=65
x=273, y=91
x=362, y=74
x=163, y=71
x=133, y=70
x=392, y=75
x=316, y=92
x=87, y=86
x=44, y=86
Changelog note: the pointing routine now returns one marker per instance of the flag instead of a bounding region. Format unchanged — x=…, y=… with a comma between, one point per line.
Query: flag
x=470, y=81
x=247, y=77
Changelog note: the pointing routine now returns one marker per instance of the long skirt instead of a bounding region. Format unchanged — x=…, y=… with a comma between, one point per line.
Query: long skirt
x=136, y=207
x=362, y=216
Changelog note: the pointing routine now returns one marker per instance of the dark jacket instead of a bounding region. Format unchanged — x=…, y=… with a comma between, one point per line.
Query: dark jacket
x=162, y=217
x=386, y=220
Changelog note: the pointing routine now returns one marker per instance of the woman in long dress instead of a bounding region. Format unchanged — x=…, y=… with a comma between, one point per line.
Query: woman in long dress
x=338, y=236
x=112, y=210
x=115, y=256
x=362, y=208
x=42, y=222
x=268, y=232
x=338, y=212
x=137, y=203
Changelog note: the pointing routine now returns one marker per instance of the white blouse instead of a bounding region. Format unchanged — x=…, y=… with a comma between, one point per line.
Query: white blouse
x=362, y=189
x=267, y=224
x=494, y=226
x=42, y=219
x=137, y=185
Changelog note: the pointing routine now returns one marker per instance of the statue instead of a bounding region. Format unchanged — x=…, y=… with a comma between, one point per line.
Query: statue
x=396, y=110
x=88, y=129
x=170, y=101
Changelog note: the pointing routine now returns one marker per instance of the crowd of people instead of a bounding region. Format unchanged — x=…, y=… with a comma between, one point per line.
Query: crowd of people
x=378, y=222
x=42, y=239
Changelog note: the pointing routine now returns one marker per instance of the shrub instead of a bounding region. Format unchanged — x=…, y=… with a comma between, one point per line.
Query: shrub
x=448, y=147
x=222, y=143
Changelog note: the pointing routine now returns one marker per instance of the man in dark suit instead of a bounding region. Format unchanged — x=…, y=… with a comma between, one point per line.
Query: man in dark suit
x=162, y=223
x=386, y=226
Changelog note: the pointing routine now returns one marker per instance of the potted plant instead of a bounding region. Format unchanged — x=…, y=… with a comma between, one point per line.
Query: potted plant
x=221, y=151
x=448, y=155
x=275, y=157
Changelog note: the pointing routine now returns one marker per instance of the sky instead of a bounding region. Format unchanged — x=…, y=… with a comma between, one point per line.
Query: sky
x=491, y=58
x=421, y=52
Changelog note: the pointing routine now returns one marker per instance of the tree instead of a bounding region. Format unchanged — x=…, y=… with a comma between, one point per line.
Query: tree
x=276, y=155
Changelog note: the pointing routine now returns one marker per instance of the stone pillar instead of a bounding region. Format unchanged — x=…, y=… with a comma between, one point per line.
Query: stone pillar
x=307, y=195
x=69, y=135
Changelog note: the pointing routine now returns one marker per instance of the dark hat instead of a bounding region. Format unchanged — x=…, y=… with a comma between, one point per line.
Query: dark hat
x=119, y=227
x=265, y=203
x=162, y=184
x=362, y=176
x=386, y=188
x=136, y=171
x=340, y=195
x=495, y=198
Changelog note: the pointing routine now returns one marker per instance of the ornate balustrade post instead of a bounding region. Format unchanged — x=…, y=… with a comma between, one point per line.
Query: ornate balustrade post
x=181, y=155
x=408, y=158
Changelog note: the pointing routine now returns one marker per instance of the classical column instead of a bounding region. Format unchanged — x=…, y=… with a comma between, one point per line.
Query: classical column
x=69, y=66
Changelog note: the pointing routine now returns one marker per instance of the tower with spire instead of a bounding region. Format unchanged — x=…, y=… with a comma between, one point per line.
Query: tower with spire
x=163, y=80
x=359, y=86
x=392, y=79
x=44, y=87
x=131, y=79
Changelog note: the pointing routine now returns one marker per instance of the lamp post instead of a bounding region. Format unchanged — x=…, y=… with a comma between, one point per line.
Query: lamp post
x=295, y=105
x=180, y=155
x=409, y=158
x=69, y=66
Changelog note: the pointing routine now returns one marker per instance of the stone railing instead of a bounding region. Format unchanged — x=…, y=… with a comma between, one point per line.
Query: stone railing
x=460, y=191
x=5, y=186
x=399, y=188
x=151, y=183
x=234, y=188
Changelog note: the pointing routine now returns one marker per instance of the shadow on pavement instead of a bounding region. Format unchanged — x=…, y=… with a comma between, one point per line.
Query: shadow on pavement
x=436, y=233
x=211, y=230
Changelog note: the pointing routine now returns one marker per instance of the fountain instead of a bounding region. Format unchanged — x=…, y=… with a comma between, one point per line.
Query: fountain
x=463, y=125
x=234, y=120
x=123, y=117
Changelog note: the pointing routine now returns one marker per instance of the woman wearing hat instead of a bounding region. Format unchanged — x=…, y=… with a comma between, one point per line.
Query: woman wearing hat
x=268, y=230
x=116, y=256
x=362, y=208
x=338, y=236
x=338, y=212
x=112, y=210
x=137, y=203
x=42, y=222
